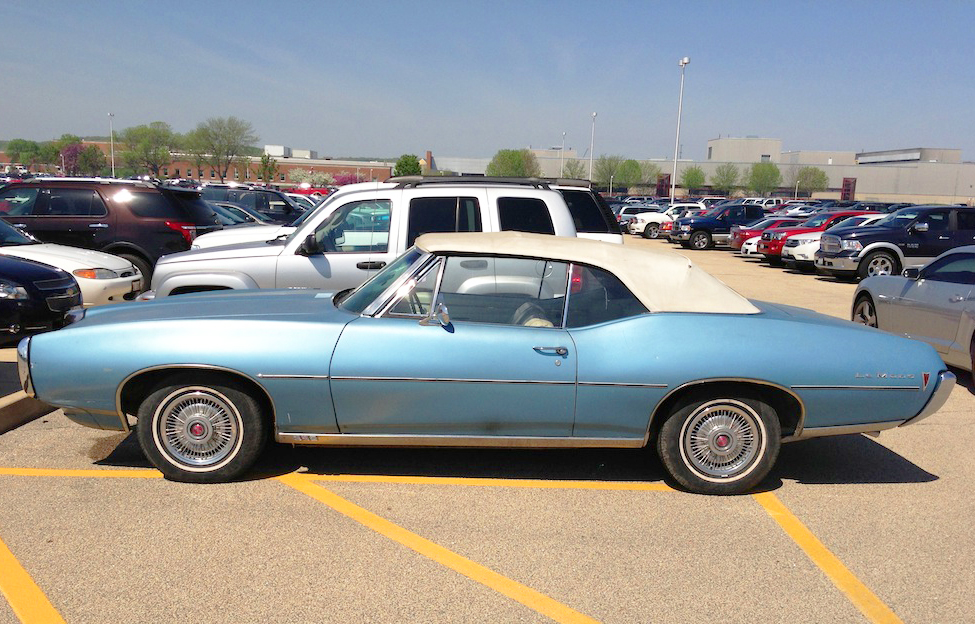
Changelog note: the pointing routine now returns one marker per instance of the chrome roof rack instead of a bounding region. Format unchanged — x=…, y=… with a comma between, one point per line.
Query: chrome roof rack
x=545, y=183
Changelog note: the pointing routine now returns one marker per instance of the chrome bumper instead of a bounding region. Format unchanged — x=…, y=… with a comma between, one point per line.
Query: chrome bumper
x=839, y=263
x=946, y=382
x=23, y=367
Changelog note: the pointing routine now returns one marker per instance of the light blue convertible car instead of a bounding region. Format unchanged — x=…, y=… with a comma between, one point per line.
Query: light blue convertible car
x=484, y=340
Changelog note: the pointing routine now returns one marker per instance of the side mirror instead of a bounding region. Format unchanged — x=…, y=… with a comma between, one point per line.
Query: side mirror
x=311, y=247
x=440, y=316
x=912, y=273
x=921, y=227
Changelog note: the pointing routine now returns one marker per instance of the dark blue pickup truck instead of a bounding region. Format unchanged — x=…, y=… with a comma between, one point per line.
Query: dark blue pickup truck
x=714, y=227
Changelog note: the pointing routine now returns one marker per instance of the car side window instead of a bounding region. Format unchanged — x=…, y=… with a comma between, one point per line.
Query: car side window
x=19, y=201
x=937, y=221
x=442, y=214
x=597, y=296
x=75, y=203
x=361, y=226
x=957, y=268
x=504, y=291
x=525, y=214
x=966, y=219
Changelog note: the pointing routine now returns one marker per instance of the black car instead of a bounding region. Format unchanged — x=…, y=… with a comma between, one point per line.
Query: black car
x=703, y=231
x=138, y=221
x=34, y=297
x=275, y=205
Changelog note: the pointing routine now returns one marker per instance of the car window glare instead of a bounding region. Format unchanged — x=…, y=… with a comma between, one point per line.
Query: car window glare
x=369, y=291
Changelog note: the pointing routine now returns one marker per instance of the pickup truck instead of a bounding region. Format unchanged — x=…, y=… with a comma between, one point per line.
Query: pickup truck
x=364, y=226
x=704, y=231
x=909, y=237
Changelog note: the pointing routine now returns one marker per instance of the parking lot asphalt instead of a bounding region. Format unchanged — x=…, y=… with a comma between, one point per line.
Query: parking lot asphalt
x=846, y=529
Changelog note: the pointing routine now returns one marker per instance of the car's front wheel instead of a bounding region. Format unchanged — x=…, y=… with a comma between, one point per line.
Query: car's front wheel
x=652, y=230
x=719, y=444
x=864, y=311
x=201, y=430
x=878, y=263
x=700, y=240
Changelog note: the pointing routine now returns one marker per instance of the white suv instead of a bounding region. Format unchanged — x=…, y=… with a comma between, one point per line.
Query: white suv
x=361, y=228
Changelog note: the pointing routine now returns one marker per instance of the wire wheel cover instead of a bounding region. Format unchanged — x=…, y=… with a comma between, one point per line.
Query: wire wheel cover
x=722, y=439
x=198, y=427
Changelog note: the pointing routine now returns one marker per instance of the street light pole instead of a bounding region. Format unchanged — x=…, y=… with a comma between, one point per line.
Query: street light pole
x=592, y=142
x=111, y=139
x=680, y=104
x=611, y=185
x=562, y=157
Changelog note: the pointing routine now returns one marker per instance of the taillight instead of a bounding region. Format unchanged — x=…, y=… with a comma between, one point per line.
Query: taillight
x=188, y=230
x=575, y=280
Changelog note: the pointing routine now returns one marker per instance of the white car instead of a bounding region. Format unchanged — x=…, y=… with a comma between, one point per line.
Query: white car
x=647, y=224
x=102, y=278
x=750, y=247
x=800, y=249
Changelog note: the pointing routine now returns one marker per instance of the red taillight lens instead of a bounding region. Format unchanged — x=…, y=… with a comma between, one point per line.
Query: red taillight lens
x=188, y=230
x=575, y=280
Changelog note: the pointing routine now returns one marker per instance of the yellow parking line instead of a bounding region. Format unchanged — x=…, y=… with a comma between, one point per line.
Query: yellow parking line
x=48, y=472
x=26, y=599
x=861, y=597
x=492, y=482
x=512, y=589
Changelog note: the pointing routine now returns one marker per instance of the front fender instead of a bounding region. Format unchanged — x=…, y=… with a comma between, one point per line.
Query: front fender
x=215, y=280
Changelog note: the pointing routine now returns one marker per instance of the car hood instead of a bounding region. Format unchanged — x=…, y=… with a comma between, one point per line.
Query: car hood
x=225, y=252
x=792, y=231
x=253, y=233
x=67, y=258
x=271, y=305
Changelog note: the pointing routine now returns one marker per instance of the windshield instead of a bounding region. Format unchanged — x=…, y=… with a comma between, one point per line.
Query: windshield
x=365, y=294
x=898, y=219
x=816, y=221
x=9, y=235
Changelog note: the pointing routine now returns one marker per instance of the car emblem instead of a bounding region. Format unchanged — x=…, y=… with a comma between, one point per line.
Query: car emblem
x=925, y=378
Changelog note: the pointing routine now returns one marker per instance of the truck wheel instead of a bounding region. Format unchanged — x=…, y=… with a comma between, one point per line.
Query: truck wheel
x=700, y=240
x=652, y=230
x=719, y=444
x=878, y=263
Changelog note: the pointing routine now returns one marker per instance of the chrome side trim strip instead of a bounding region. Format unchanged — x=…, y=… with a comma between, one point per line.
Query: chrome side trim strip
x=819, y=432
x=360, y=439
x=611, y=384
x=812, y=387
x=209, y=367
x=946, y=382
x=451, y=380
x=263, y=376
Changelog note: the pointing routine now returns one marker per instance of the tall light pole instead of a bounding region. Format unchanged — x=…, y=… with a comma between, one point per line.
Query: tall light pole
x=680, y=104
x=111, y=139
x=562, y=157
x=592, y=141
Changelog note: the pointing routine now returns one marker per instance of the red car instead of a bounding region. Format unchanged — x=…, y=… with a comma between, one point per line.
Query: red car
x=741, y=233
x=773, y=239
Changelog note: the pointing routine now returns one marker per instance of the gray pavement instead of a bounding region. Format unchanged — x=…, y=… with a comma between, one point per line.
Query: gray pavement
x=894, y=511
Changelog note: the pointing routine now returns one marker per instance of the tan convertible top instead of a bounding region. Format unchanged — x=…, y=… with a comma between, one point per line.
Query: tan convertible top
x=663, y=281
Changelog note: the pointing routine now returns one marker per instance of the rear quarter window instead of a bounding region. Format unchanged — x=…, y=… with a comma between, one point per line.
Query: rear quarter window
x=588, y=215
x=525, y=214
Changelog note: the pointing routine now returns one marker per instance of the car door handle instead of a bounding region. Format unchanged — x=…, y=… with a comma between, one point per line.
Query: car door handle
x=19, y=225
x=369, y=266
x=956, y=299
x=98, y=226
x=556, y=350
x=944, y=238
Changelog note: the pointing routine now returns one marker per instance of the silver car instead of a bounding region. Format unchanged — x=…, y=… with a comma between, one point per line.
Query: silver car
x=934, y=304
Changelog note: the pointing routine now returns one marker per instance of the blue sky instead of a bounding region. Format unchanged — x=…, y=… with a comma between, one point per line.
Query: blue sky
x=466, y=79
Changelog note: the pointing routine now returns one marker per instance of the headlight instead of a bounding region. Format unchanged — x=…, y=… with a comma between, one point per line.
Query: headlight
x=10, y=290
x=95, y=273
x=779, y=235
x=804, y=241
x=685, y=228
x=851, y=245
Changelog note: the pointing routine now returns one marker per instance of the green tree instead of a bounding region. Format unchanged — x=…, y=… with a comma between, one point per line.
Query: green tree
x=629, y=174
x=23, y=152
x=725, y=178
x=514, y=164
x=268, y=169
x=604, y=168
x=692, y=178
x=408, y=164
x=574, y=168
x=91, y=160
x=148, y=147
x=763, y=178
x=812, y=180
x=218, y=141
x=650, y=172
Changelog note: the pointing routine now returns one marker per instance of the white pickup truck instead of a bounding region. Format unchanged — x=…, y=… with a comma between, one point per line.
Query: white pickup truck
x=364, y=226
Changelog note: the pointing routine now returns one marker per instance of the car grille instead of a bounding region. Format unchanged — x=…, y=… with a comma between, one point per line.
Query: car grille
x=830, y=244
x=792, y=243
x=64, y=302
x=60, y=283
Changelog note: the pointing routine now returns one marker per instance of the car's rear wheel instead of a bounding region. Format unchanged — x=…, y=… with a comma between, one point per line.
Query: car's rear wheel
x=719, y=444
x=700, y=240
x=879, y=263
x=201, y=431
x=652, y=230
x=864, y=311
